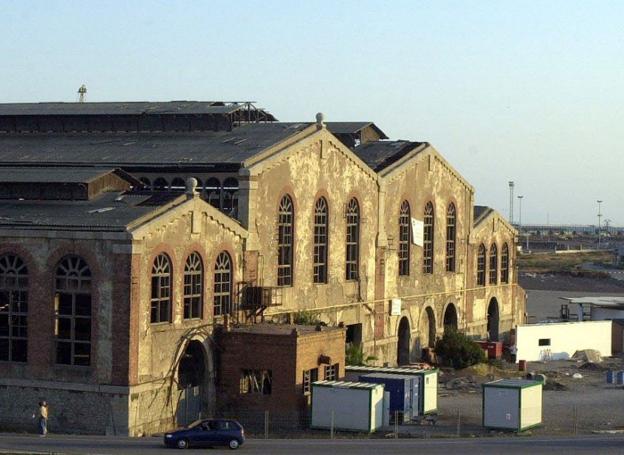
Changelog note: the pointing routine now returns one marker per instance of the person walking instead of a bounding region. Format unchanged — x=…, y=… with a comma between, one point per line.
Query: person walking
x=42, y=418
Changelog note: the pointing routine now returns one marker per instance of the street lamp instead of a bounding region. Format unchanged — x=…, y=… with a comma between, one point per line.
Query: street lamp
x=599, y=226
x=511, y=191
x=520, y=209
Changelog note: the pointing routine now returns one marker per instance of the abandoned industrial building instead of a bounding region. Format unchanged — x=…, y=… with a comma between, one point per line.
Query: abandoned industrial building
x=155, y=259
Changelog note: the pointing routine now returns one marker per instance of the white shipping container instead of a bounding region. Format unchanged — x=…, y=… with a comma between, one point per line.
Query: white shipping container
x=512, y=404
x=355, y=406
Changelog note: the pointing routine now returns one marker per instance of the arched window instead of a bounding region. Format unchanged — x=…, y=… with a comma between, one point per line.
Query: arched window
x=161, y=290
x=160, y=184
x=145, y=181
x=285, y=232
x=353, y=240
x=481, y=266
x=404, y=239
x=505, y=264
x=223, y=284
x=213, y=192
x=13, y=309
x=321, y=218
x=178, y=184
x=73, y=312
x=193, y=286
x=493, y=264
x=230, y=196
x=451, y=232
x=428, y=239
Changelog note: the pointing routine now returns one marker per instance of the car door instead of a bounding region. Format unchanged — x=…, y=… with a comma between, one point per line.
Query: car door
x=207, y=434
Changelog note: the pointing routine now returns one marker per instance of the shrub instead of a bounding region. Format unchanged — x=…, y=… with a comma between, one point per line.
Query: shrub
x=457, y=350
x=354, y=355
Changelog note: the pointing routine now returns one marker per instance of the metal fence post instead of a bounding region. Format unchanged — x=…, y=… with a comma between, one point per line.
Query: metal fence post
x=396, y=424
x=266, y=424
x=331, y=428
x=458, y=422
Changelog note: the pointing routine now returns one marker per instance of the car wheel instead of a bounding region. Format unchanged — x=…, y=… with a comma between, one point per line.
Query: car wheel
x=234, y=444
x=182, y=444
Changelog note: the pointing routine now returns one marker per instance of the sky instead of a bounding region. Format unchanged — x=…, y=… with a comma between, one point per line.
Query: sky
x=529, y=91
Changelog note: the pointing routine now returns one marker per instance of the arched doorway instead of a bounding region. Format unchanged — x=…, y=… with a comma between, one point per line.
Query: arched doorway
x=493, y=320
x=426, y=332
x=403, y=345
x=194, y=384
x=450, y=317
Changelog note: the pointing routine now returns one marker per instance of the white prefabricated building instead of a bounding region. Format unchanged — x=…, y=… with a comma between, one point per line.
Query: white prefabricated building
x=512, y=404
x=560, y=340
x=354, y=406
x=429, y=382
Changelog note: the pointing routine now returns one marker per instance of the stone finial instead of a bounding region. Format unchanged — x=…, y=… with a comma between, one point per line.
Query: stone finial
x=320, y=120
x=191, y=186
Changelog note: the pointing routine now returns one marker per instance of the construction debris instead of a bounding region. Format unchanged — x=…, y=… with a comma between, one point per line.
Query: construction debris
x=587, y=355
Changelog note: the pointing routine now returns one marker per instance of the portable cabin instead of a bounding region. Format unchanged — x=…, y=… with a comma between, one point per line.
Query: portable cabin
x=352, y=406
x=512, y=404
x=403, y=390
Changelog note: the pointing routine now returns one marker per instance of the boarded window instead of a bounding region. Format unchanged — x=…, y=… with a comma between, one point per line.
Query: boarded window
x=193, y=286
x=428, y=238
x=256, y=382
x=223, y=284
x=309, y=377
x=451, y=233
x=493, y=264
x=13, y=309
x=505, y=264
x=353, y=240
x=321, y=218
x=161, y=290
x=481, y=266
x=73, y=312
x=404, y=239
x=285, y=233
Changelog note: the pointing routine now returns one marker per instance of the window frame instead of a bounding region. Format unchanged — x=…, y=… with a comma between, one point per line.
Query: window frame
x=481, y=265
x=14, y=284
x=451, y=238
x=493, y=264
x=285, y=241
x=161, y=294
x=404, y=244
x=352, y=240
x=309, y=377
x=428, y=238
x=505, y=264
x=321, y=241
x=222, y=284
x=193, y=287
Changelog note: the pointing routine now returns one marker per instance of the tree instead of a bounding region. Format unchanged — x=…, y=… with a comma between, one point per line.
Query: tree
x=457, y=350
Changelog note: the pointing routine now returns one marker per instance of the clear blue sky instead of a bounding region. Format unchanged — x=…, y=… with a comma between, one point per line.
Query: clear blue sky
x=505, y=90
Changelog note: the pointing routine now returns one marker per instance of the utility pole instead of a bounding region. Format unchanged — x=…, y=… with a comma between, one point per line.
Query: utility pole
x=599, y=226
x=511, y=201
x=520, y=210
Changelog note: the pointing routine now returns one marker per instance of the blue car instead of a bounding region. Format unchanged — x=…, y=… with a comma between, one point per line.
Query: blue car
x=206, y=433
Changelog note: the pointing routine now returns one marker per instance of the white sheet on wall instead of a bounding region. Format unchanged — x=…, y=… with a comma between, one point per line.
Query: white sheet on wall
x=418, y=232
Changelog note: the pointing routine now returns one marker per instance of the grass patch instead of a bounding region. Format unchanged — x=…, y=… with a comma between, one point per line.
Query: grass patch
x=557, y=263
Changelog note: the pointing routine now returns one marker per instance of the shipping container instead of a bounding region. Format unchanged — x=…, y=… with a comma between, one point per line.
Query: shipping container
x=403, y=391
x=428, y=393
x=352, y=406
x=512, y=404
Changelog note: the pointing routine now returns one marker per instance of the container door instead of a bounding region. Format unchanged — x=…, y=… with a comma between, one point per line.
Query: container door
x=416, y=396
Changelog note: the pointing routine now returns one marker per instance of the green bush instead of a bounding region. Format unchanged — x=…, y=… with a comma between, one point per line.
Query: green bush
x=457, y=350
x=354, y=355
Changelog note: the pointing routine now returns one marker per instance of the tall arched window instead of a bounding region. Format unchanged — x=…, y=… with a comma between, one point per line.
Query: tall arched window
x=451, y=233
x=353, y=240
x=193, y=286
x=161, y=290
x=321, y=218
x=428, y=239
x=493, y=264
x=13, y=309
x=481, y=266
x=73, y=312
x=404, y=239
x=223, y=284
x=285, y=233
x=505, y=264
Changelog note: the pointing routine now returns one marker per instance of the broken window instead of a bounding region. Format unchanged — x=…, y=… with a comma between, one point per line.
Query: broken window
x=223, y=284
x=481, y=266
x=160, y=184
x=353, y=240
x=213, y=192
x=193, y=286
x=256, y=381
x=451, y=232
x=161, y=290
x=230, y=197
x=285, y=221
x=320, y=240
x=404, y=239
x=178, y=184
x=331, y=372
x=73, y=312
x=493, y=264
x=505, y=264
x=13, y=309
x=428, y=239
x=309, y=377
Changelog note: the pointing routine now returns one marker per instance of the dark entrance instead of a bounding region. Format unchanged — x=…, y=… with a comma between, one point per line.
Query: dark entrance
x=493, y=320
x=450, y=317
x=403, y=345
x=191, y=371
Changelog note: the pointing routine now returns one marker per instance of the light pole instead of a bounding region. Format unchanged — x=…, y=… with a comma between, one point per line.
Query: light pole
x=520, y=210
x=599, y=226
x=511, y=191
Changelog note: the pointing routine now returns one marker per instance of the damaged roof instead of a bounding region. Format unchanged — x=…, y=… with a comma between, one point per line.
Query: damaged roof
x=380, y=154
x=206, y=148
x=480, y=213
x=353, y=127
x=58, y=174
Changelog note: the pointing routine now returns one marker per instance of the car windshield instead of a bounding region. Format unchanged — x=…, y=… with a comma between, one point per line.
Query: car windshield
x=194, y=424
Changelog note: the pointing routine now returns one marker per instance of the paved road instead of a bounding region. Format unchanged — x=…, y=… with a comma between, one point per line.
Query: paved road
x=500, y=445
